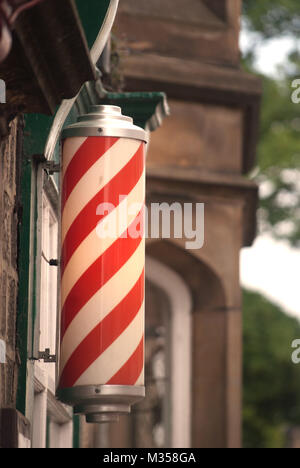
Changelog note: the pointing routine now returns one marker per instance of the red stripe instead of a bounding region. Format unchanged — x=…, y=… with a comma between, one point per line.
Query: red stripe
x=94, y=278
x=90, y=151
x=130, y=372
x=87, y=220
x=99, y=339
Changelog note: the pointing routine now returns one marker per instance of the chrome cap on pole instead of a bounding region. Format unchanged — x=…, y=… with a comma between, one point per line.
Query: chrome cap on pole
x=105, y=121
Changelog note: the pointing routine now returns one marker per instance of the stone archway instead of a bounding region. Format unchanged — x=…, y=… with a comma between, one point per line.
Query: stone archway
x=216, y=372
x=180, y=310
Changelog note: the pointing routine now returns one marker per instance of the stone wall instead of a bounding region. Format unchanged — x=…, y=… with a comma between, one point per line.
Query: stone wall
x=8, y=265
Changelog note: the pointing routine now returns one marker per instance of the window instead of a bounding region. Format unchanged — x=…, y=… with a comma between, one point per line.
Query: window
x=151, y=419
x=179, y=338
x=52, y=421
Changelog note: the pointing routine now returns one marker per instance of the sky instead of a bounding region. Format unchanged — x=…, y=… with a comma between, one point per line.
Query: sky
x=270, y=54
x=271, y=267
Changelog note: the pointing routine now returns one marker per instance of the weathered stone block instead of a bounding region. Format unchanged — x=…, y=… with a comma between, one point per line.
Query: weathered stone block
x=6, y=228
x=3, y=283
x=11, y=312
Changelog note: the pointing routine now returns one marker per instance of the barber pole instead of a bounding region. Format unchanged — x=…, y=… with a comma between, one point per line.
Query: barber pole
x=102, y=265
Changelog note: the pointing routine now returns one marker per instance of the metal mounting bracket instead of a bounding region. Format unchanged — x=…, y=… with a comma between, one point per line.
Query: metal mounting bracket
x=46, y=356
x=52, y=167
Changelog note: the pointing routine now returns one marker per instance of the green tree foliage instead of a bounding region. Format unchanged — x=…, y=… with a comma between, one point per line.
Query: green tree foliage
x=271, y=380
x=278, y=170
x=273, y=18
x=279, y=161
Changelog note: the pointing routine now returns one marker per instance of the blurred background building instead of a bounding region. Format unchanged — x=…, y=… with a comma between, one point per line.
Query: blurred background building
x=203, y=153
x=200, y=154
x=193, y=312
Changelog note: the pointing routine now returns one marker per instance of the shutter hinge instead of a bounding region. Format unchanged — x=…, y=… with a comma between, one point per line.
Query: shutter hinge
x=52, y=167
x=46, y=356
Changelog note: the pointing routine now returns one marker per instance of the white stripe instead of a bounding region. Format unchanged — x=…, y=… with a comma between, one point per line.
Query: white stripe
x=114, y=357
x=104, y=170
x=92, y=247
x=141, y=379
x=71, y=146
x=102, y=303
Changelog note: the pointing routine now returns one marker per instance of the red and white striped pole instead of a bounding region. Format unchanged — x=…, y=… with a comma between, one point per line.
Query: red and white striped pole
x=102, y=265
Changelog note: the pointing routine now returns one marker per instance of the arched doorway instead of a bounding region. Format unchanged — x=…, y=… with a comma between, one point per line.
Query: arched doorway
x=163, y=419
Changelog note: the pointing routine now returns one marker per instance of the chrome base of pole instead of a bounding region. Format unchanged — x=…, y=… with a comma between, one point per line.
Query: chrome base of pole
x=101, y=403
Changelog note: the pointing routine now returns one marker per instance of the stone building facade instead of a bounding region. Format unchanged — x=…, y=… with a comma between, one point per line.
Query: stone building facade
x=202, y=154
x=10, y=158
